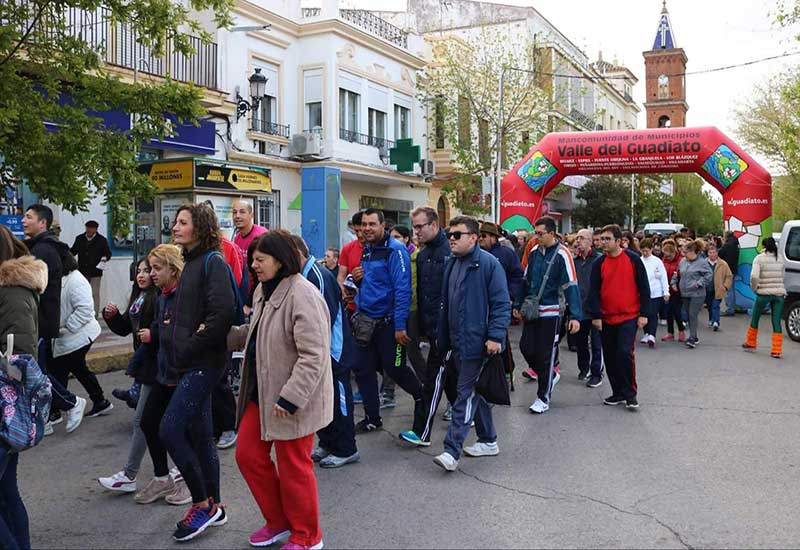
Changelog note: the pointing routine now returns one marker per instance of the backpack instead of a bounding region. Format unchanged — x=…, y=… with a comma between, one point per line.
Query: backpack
x=25, y=397
x=238, y=317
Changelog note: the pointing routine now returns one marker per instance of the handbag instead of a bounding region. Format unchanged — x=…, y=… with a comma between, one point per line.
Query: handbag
x=363, y=326
x=492, y=382
x=530, y=306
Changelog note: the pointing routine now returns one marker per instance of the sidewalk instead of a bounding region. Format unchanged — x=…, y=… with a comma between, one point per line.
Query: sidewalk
x=109, y=352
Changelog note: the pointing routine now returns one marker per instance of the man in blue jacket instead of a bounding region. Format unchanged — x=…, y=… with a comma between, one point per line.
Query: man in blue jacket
x=590, y=347
x=430, y=272
x=550, y=276
x=475, y=313
x=384, y=296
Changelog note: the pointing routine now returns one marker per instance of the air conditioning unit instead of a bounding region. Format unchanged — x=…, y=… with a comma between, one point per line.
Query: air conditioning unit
x=306, y=145
x=428, y=168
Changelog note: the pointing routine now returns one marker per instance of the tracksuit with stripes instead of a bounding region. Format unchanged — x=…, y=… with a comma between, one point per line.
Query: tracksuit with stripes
x=540, y=337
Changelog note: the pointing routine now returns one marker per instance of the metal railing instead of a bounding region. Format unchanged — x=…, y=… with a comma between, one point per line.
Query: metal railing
x=372, y=23
x=271, y=128
x=118, y=44
x=315, y=130
x=364, y=139
x=582, y=119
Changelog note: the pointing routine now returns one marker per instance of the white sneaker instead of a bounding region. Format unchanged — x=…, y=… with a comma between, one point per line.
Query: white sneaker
x=663, y=322
x=446, y=461
x=226, y=440
x=75, y=415
x=118, y=482
x=482, y=449
x=644, y=339
x=539, y=407
x=556, y=379
x=48, y=429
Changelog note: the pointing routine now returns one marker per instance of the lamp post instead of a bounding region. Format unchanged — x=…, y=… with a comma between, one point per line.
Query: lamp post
x=258, y=88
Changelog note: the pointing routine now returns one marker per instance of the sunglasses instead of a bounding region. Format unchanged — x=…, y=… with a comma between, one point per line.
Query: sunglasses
x=419, y=226
x=456, y=235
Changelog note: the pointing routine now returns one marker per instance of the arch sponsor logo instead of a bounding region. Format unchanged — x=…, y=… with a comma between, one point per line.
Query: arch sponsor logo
x=537, y=171
x=724, y=166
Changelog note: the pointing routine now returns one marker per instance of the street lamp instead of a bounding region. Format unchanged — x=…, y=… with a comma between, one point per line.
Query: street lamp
x=258, y=88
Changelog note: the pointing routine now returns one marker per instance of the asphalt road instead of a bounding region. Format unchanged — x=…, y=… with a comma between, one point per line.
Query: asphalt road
x=710, y=460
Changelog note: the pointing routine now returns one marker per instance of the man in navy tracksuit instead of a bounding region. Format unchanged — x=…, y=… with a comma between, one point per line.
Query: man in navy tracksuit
x=590, y=348
x=475, y=313
x=619, y=303
x=384, y=295
x=540, y=336
x=337, y=441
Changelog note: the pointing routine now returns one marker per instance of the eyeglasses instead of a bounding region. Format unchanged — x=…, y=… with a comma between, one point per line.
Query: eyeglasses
x=456, y=235
x=419, y=226
x=606, y=238
x=541, y=233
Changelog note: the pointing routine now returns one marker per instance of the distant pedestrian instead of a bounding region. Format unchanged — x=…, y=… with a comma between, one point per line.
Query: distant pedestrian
x=766, y=280
x=723, y=282
x=331, y=260
x=93, y=252
x=672, y=259
x=693, y=278
x=590, y=346
x=619, y=305
x=246, y=232
x=659, y=290
x=730, y=253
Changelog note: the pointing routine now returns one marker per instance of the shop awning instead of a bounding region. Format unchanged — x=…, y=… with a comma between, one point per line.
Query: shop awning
x=297, y=203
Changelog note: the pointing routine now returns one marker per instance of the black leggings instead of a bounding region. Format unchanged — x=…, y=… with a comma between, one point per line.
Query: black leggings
x=154, y=409
x=675, y=314
x=75, y=363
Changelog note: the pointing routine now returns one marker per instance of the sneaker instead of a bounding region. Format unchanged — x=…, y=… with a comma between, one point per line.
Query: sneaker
x=75, y=415
x=556, y=379
x=180, y=496
x=632, y=403
x=295, y=546
x=368, y=426
x=223, y=516
x=715, y=327
x=333, y=461
x=663, y=322
x=118, y=482
x=196, y=520
x=412, y=437
x=539, y=407
x=594, y=382
x=319, y=453
x=583, y=375
x=645, y=339
x=668, y=338
x=124, y=395
x=651, y=341
x=56, y=417
x=482, y=449
x=447, y=415
x=530, y=374
x=48, y=429
x=357, y=399
x=387, y=402
x=748, y=347
x=227, y=440
x=682, y=336
x=100, y=408
x=446, y=461
x=710, y=324
x=614, y=400
x=691, y=343
x=155, y=490
x=267, y=536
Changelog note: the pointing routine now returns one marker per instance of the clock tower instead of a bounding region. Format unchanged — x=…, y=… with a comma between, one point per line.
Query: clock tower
x=665, y=78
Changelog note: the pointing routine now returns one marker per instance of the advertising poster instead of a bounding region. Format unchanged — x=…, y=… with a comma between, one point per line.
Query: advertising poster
x=223, y=207
x=169, y=207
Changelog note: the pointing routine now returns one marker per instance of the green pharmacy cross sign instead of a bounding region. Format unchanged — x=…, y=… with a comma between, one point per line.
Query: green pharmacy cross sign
x=404, y=155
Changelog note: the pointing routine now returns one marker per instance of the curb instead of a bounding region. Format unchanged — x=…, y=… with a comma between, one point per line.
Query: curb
x=109, y=359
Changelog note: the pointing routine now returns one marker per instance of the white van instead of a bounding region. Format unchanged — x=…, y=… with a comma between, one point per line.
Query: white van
x=789, y=250
x=664, y=229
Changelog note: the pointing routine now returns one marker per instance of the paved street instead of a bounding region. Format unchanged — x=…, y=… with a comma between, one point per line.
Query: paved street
x=710, y=460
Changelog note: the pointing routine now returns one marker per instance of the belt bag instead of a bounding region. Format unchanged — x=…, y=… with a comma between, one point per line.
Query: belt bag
x=530, y=306
x=363, y=329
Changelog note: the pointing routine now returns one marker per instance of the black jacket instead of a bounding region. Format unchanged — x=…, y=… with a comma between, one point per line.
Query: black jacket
x=48, y=248
x=430, y=274
x=89, y=254
x=583, y=267
x=205, y=296
x=123, y=324
x=730, y=253
x=515, y=276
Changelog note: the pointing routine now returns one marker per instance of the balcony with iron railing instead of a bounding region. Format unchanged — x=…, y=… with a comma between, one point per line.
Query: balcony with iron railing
x=367, y=21
x=271, y=128
x=365, y=139
x=118, y=45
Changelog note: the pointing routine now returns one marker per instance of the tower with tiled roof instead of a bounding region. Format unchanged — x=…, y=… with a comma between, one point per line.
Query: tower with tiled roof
x=665, y=78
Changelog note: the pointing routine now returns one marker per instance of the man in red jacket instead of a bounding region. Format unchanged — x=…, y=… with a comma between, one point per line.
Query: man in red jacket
x=618, y=304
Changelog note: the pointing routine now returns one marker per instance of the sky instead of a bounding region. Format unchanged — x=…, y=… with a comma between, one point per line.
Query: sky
x=714, y=33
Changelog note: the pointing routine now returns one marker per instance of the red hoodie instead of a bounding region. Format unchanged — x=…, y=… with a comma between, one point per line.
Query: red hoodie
x=672, y=267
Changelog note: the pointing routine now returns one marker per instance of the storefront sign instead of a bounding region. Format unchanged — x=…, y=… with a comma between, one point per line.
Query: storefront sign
x=170, y=175
x=228, y=177
x=14, y=223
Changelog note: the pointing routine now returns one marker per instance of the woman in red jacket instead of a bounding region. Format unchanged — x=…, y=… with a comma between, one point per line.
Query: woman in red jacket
x=672, y=259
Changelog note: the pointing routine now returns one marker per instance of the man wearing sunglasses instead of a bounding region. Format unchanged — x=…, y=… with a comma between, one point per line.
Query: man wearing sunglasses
x=474, y=316
x=551, y=278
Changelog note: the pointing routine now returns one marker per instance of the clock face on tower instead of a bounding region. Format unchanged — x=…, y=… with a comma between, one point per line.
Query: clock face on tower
x=663, y=87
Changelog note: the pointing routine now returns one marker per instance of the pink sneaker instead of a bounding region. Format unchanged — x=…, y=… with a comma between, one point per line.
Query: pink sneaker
x=530, y=374
x=682, y=336
x=267, y=536
x=293, y=546
x=668, y=338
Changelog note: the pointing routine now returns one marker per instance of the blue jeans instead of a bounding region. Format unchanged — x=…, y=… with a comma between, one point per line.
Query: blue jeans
x=14, y=531
x=187, y=433
x=468, y=405
x=713, y=307
x=730, y=300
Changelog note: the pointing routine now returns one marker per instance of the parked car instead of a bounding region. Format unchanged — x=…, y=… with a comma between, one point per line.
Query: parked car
x=663, y=229
x=789, y=248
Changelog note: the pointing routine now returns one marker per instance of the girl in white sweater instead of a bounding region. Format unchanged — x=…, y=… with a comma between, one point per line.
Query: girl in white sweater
x=766, y=280
x=659, y=290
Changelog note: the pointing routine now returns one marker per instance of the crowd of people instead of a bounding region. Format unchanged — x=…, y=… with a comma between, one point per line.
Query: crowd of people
x=256, y=343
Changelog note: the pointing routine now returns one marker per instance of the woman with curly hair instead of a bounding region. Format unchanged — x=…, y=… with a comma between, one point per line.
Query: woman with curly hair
x=204, y=312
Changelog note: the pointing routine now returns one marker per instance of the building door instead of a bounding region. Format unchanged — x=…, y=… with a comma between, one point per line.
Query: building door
x=441, y=210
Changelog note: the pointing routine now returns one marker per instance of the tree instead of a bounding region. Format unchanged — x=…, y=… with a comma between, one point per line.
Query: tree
x=606, y=199
x=652, y=204
x=461, y=89
x=52, y=70
x=694, y=206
